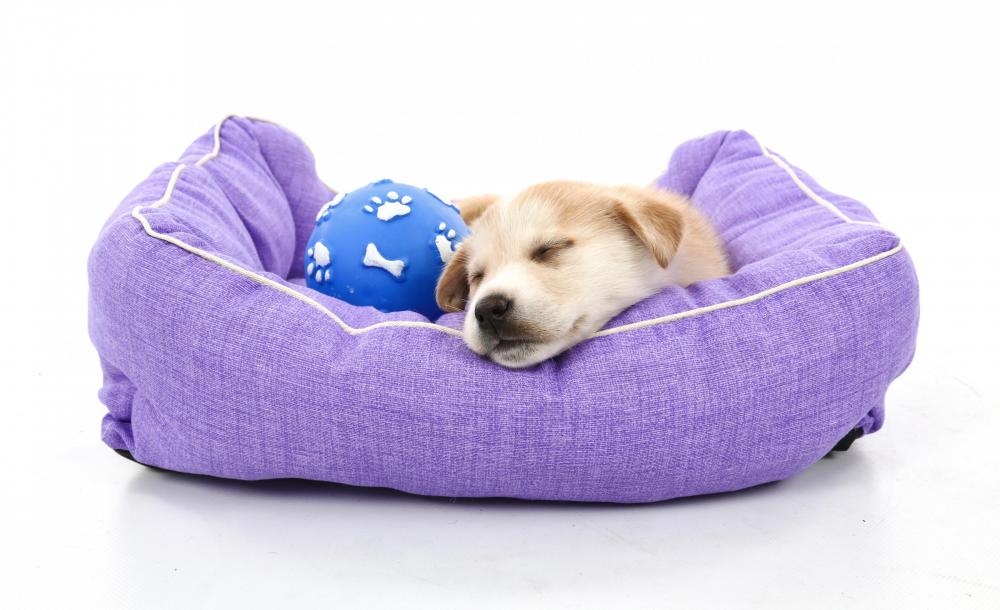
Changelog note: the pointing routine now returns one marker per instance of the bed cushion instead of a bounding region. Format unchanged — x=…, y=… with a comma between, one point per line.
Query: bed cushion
x=218, y=361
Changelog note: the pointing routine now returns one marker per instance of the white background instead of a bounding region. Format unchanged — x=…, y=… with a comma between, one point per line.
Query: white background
x=896, y=107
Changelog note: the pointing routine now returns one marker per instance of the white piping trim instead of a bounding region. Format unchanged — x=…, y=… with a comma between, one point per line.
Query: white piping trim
x=749, y=299
x=266, y=281
x=217, y=138
x=170, y=189
x=805, y=187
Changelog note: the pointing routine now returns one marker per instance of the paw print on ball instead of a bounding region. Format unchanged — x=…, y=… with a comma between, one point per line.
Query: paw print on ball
x=445, y=242
x=319, y=263
x=392, y=206
x=324, y=212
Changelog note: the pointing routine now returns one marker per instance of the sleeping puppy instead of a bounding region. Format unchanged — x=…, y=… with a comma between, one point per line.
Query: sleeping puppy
x=546, y=268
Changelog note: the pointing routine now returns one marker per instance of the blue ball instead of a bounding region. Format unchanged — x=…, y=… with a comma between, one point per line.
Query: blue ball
x=384, y=245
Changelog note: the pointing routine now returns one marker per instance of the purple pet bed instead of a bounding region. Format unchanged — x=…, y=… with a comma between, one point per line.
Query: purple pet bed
x=218, y=361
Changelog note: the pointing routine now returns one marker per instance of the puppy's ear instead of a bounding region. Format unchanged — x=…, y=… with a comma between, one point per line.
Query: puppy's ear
x=473, y=207
x=453, y=285
x=657, y=224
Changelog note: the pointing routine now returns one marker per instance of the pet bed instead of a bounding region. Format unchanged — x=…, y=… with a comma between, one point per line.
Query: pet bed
x=218, y=361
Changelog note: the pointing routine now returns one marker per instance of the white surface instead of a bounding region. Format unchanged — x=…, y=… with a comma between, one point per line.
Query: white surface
x=896, y=109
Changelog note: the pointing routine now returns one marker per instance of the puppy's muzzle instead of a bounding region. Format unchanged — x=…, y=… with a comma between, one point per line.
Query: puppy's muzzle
x=492, y=314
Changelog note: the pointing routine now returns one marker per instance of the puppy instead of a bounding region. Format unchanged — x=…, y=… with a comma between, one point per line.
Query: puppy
x=546, y=268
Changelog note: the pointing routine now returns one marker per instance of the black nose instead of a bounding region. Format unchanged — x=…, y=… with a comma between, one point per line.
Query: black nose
x=491, y=312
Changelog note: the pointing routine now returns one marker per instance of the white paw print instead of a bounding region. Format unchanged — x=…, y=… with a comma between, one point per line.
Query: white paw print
x=324, y=212
x=445, y=243
x=319, y=263
x=389, y=208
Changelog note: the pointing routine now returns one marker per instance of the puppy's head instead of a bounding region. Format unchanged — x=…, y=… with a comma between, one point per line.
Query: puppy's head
x=545, y=269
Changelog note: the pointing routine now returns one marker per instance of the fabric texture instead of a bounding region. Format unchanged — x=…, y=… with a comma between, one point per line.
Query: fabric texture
x=217, y=360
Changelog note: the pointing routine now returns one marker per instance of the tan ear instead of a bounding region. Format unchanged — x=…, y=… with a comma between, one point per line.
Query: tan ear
x=453, y=285
x=473, y=207
x=651, y=217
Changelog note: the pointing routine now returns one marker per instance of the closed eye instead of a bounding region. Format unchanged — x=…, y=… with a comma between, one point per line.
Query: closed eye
x=475, y=277
x=546, y=251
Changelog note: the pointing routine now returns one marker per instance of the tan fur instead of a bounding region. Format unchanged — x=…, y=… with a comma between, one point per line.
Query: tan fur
x=473, y=207
x=453, y=285
x=570, y=256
